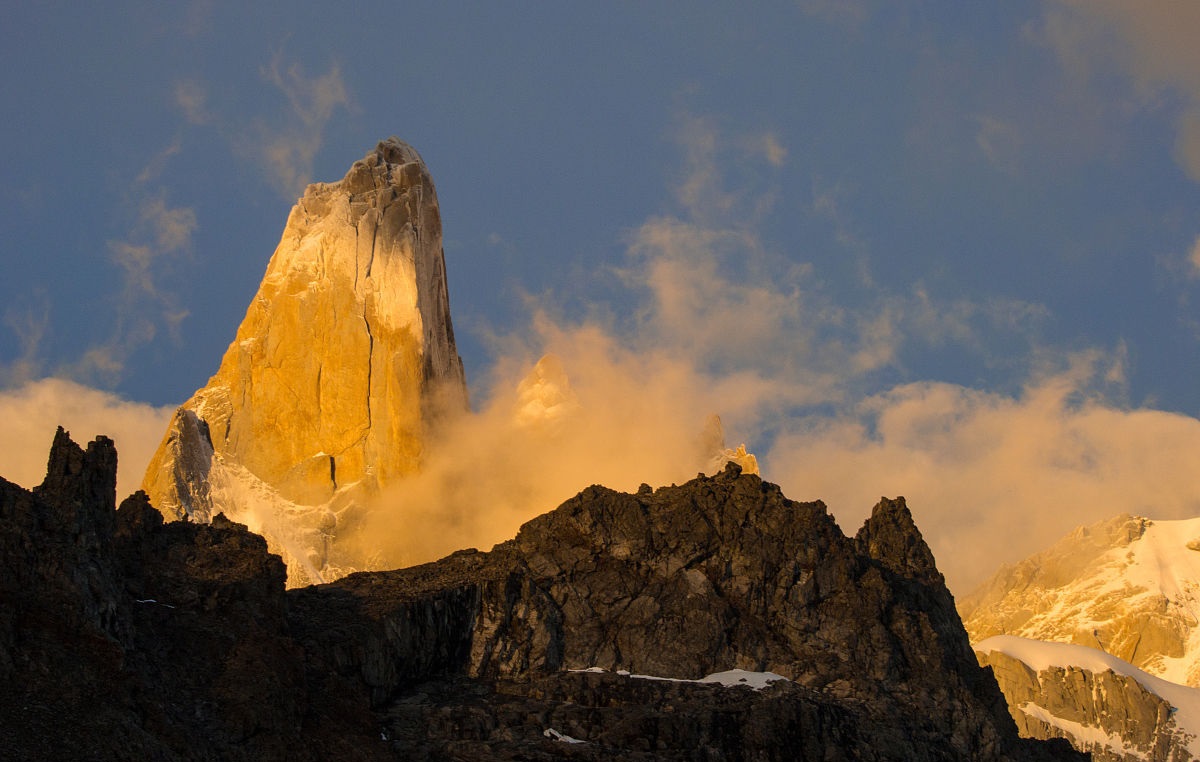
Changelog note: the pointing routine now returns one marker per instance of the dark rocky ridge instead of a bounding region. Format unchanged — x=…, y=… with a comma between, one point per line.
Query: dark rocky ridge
x=122, y=637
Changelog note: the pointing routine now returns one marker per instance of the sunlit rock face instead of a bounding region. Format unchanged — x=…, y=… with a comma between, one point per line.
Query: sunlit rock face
x=715, y=454
x=1101, y=704
x=344, y=361
x=1128, y=586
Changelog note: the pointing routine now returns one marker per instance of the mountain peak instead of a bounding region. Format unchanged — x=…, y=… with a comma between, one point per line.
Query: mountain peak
x=891, y=537
x=1127, y=586
x=344, y=362
x=393, y=150
x=75, y=475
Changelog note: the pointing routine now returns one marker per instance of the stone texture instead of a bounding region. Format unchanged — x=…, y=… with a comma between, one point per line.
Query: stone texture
x=344, y=360
x=126, y=637
x=722, y=572
x=1138, y=724
x=123, y=637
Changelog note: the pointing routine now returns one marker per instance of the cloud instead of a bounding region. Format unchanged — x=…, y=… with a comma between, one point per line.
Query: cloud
x=769, y=146
x=703, y=190
x=191, y=96
x=1152, y=44
x=1000, y=142
x=287, y=150
x=612, y=416
x=723, y=325
x=284, y=144
x=29, y=323
x=993, y=478
x=158, y=163
x=32, y=411
x=161, y=235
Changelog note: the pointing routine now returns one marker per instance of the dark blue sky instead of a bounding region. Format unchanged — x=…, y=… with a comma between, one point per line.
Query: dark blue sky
x=950, y=148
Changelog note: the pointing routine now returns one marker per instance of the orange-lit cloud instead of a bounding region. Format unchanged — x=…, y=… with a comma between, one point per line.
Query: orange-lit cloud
x=993, y=478
x=725, y=326
x=32, y=411
x=286, y=148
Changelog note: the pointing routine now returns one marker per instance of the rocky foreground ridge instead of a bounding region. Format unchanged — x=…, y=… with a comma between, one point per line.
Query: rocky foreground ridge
x=123, y=637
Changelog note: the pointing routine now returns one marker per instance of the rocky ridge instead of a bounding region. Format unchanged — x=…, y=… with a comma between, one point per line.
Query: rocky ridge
x=124, y=637
x=345, y=359
x=187, y=631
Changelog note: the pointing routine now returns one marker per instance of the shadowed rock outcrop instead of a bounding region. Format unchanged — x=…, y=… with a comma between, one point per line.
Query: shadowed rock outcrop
x=721, y=573
x=123, y=637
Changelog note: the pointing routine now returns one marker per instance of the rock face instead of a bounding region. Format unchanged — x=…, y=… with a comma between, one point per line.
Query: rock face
x=720, y=573
x=186, y=631
x=122, y=637
x=344, y=360
x=1129, y=590
x=1128, y=586
x=1100, y=704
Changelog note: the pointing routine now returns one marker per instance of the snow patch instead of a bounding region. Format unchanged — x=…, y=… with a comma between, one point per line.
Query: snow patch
x=553, y=734
x=730, y=678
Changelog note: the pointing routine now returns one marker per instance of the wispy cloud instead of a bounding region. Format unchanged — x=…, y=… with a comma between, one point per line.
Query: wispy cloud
x=160, y=235
x=29, y=324
x=1000, y=142
x=286, y=147
x=726, y=325
x=1153, y=44
x=140, y=310
x=282, y=142
x=191, y=97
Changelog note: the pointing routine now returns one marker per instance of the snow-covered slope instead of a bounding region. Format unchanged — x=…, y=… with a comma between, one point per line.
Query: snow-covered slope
x=1128, y=586
x=1100, y=703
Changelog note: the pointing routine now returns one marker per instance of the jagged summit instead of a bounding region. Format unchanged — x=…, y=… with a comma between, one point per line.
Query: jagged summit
x=891, y=537
x=343, y=363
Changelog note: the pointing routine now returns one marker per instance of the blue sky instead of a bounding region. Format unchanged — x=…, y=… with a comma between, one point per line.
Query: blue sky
x=897, y=228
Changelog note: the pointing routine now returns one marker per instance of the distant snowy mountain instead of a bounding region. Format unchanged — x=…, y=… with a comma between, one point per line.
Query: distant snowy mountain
x=1097, y=639
x=1128, y=586
x=1098, y=702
